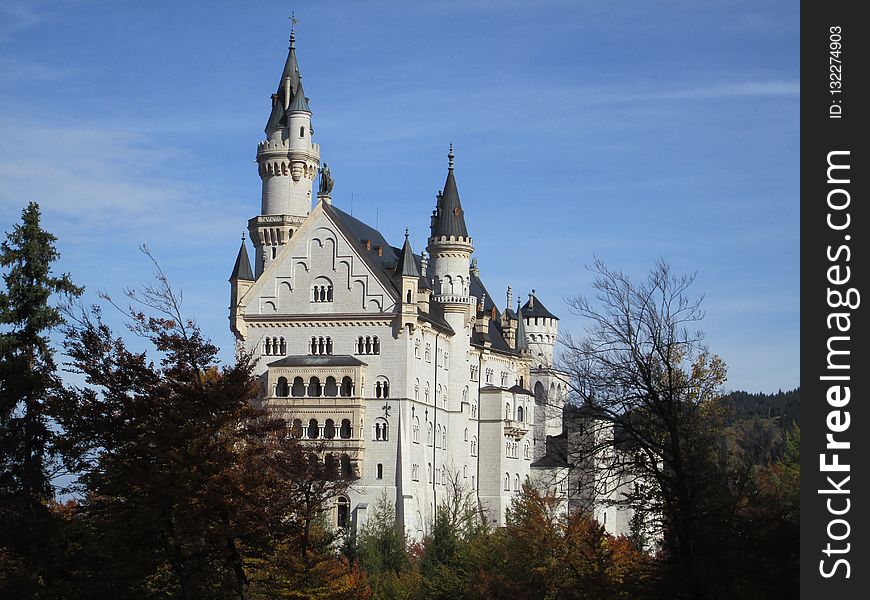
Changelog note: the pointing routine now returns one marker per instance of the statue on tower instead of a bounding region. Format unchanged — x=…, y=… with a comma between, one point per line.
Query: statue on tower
x=326, y=181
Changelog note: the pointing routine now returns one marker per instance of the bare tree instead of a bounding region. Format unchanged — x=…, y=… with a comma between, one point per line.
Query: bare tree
x=642, y=369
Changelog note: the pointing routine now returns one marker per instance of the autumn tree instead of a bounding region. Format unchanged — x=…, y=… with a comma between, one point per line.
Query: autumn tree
x=27, y=380
x=642, y=368
x=545, y=552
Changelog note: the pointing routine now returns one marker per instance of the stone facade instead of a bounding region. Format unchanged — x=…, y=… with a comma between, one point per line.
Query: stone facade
x=398, y=367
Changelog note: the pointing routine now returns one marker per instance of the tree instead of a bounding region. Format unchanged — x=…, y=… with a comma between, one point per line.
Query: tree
x=543, y=552
x=644, y=370
x=187, y=486
x=27, y=379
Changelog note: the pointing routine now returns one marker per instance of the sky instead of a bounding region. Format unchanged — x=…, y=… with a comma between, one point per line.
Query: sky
x=631, y=131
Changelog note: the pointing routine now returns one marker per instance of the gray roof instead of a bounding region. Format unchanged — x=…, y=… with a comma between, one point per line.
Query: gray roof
x=449, y=218
x=406, y=265
x=242, y=268
x=278, y=117
x=300, y=102
x=337, y=360
x=522, y=343
x=535, y=308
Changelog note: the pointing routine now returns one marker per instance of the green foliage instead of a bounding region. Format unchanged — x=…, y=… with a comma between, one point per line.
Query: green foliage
x=27, y=380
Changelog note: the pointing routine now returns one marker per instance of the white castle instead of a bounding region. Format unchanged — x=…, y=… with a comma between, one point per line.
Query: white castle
x=398, y=367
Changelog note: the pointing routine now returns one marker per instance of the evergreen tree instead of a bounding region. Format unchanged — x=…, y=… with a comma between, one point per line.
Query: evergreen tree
x=27, y=379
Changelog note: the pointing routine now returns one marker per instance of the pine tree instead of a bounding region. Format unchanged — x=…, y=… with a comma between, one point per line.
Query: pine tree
x=27, y=378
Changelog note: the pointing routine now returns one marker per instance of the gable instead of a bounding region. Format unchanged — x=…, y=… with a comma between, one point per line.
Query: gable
x=320, y=271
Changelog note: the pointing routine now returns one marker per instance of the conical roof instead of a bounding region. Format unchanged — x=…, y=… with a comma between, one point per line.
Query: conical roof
x=277, y=118
x=407, y=266
x=242, y=268
x=449, y=217
x=521, y=343
x=535, y=308
x=300, y=102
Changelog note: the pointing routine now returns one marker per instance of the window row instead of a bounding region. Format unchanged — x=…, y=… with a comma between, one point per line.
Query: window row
x=315, y=430
x=507, y=483
x=314, y=388
x=368, y=345
x=321, y=293
x=320, y=346
x=274, y=346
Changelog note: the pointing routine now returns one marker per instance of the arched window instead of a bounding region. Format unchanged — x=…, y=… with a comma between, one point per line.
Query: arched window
x=466, y=434
x=345, y=431
x=313, y=346
x=343, y=511
x=507, y=482
x=408, y=297
x=302, y=135
x=360, y=345
x=415, y=433
x=428, y=433
x=381, y=431
x=346, y=467
x=377, y=389
x=444, y=438
x=282, y=389
x=415, y=472
x=329, y=345
x=321, y=290
x=267, y=346
x=386, y=388
x=520, y=414
x=313, y=430
x=298, y=387
x=465, y=394
x=428, y=355
x=329, y=429
x=368, y=345
x=507, y=412
x=416, y=389
x=522, y=384
x=331, y=467
x=472, y=483
x=465, y=471
x=437, y=434
x=314, y=387
x=346, y=386
x=417, y=349
x=516, y=483
x=426, y=393
x=429, y=472
x=474, y=446
x=331, y=387
x=376, y=345
x=296, y=430
x=380, y=471
x=526, y=451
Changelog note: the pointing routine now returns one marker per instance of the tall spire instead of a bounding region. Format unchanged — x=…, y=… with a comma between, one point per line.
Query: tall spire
x=288, y=85
x=521, y=343
x=407, y=266
x=300, y=102
x=449, y=217
x=242, y=268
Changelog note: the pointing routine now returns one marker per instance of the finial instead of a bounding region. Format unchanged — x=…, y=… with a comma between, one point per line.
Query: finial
x=406, y=233
x=450, y=157
x=293, y=21
x=243, y=237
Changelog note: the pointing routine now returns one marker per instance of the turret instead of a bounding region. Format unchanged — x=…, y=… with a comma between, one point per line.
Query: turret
x=241, y=280
x=450, y=249
x=288, y=161
x=407, y=278
x=542, y=328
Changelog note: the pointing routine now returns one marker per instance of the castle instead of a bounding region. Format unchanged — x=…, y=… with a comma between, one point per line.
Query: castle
x=398, y=367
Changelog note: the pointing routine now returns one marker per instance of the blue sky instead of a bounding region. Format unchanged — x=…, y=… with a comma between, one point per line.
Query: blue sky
x=631, y=131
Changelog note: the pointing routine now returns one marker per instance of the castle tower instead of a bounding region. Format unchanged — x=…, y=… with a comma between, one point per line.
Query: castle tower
x=407, y=278
x=288, y=161
x=241, y=280
x=450, y=250
x=542, y=328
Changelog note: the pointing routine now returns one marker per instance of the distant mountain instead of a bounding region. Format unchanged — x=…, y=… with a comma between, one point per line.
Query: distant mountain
x=782, y=407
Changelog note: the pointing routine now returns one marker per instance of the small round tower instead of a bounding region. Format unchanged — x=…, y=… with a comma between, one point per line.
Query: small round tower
x=287, y=161
x=542, y=329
